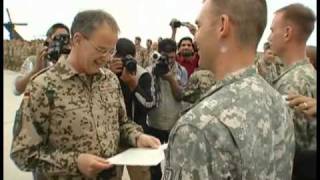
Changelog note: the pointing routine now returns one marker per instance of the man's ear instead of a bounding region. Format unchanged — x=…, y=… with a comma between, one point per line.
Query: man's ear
x=224, y=25
x=76, y=39
x=288, y=33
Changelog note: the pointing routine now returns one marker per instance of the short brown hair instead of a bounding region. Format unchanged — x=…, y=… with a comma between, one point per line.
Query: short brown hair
x=86, y=22
x=250, y=16
x=302, y=16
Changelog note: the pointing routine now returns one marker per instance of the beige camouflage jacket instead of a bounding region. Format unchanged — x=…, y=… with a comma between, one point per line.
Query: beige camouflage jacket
x=62, y=115
x=240, y=129
x=300, y=78
x=199, y=83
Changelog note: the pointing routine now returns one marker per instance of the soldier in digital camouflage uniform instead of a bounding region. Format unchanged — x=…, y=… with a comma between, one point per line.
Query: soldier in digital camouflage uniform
x=73, y=116
x=298, y=77
x=241, y=128
x=199, y=83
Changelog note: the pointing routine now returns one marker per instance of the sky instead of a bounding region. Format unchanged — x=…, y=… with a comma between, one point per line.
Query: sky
x=144, y=18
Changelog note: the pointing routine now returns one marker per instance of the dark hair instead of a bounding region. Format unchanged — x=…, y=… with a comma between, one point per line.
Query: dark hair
x=167, y=45
x=186, y=39
x=86, y=22
x=54, y=27
x=302, y=16
x=138, y=38
x=125, y=47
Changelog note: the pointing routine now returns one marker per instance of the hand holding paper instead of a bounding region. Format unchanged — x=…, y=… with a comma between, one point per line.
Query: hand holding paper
x=148, y=141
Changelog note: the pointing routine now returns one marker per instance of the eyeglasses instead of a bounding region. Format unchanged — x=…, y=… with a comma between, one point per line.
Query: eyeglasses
x=110, y=52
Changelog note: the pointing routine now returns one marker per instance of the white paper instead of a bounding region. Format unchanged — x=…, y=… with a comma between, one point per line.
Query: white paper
x=139, y=156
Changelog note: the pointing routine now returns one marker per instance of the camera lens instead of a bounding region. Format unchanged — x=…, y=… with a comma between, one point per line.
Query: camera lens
x=155, y=56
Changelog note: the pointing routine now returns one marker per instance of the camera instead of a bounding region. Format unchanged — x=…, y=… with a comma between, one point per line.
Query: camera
x=58, y=46
x=162, y=63
x=130, y=63
x=176, y=23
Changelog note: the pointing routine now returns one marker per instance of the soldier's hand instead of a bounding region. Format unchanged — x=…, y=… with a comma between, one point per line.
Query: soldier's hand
x=91, y=165
x=307, y=105
x=148, y=141
x=40, y=61
x=116, y=65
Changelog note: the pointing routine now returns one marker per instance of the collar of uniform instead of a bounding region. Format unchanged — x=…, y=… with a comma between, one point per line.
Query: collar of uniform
x=66, y=71
x=64, y=68
x=232, y=77
x=297, y=63
x=244, y=72
x=290, y=67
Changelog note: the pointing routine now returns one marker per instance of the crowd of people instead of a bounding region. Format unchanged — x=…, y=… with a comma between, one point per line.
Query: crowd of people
x=226, y=111
x=16, y=51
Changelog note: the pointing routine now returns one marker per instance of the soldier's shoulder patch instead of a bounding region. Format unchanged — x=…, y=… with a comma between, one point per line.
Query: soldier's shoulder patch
x=40, y=72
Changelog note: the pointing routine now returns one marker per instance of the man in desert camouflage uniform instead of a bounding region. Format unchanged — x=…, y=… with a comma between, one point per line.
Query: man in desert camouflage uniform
x=73, y=116
x=290, y=30
x=241, y=128
x=199, y=83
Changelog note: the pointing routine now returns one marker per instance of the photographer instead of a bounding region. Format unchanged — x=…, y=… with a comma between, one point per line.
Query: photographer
x=136, y=87
x=169, y=80
x=34, y=64
x=187, y=55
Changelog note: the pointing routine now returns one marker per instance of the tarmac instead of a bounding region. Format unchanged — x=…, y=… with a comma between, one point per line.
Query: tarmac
x=11, y=104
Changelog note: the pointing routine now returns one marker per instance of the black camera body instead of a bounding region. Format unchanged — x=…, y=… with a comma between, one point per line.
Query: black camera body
x=176, y=23
x=58, y=46
x=129, y=63
x=162, y=63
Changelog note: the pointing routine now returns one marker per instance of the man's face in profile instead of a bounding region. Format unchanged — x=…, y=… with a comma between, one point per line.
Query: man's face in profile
x=206, y=36
x=277, y=35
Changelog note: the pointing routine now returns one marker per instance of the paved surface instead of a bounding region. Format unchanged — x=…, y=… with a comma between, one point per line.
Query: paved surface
x=11, y=104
